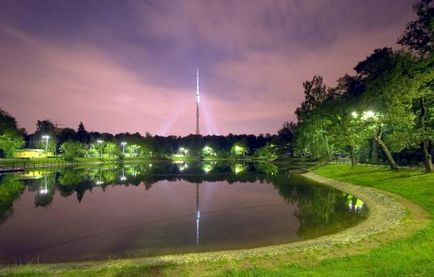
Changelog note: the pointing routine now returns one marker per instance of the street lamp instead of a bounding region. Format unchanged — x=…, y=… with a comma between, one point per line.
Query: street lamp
x=123, y=147
x=46, y=138
x=100, y=141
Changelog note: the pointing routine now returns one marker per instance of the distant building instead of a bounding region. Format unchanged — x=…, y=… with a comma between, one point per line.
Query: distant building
x=33, y=153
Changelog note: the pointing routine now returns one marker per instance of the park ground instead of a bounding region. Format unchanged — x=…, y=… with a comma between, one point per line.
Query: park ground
x=412, y=255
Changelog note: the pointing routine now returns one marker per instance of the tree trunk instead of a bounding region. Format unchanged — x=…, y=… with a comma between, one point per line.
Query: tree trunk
x=426, y=148
x=386, y=151
x=426, y=145
x=353, y=156
x=374, y=154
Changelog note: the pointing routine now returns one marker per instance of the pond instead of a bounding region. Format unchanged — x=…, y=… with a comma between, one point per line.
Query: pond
x=113, y=211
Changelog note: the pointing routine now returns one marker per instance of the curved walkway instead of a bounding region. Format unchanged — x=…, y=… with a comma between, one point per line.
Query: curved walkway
x=390, y=217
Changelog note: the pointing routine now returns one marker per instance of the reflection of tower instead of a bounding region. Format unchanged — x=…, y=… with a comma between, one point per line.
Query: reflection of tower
x=197, y=215
x=197, y=102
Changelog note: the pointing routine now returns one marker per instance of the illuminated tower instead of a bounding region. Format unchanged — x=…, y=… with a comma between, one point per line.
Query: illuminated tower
x=197, y=185
x=197, y=102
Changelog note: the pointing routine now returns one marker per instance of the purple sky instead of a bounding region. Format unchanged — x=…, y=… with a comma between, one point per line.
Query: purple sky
x=123, y=66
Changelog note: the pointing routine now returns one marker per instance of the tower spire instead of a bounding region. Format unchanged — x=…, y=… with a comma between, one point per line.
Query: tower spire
x=197, y=102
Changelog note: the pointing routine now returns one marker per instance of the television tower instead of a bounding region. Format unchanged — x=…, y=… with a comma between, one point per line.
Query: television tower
x=197, y=185
x=197, y=102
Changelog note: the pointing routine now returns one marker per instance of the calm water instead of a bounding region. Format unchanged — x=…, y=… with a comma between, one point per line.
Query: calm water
x=153, y=209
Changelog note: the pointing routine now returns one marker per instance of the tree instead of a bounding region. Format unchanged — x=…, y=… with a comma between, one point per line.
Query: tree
x=312, y=139
x=239, y=149
x=82, y=135
x=419, y=34
x=72, y=149
x=45, y=128
x=7, y=122
x=112, y=150
x=10, y=141
x=384, y=74
x=135, y=150
x=66, y=134
x=421, y=94
x=11, y=138
x=315, y=92
x=269, y=152
x=285, y=137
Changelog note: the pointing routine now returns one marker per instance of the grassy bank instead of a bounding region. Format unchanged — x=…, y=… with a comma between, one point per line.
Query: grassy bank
x=411, y=256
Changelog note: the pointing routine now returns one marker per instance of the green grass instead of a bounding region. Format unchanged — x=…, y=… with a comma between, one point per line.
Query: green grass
x=409, y=257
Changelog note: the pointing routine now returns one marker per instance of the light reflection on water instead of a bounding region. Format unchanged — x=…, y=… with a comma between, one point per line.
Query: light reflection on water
x=112, y=210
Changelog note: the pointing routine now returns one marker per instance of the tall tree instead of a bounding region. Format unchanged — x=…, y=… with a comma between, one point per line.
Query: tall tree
x=315, y=92
x=422, y=97
x=380, y=73
x=82, y=135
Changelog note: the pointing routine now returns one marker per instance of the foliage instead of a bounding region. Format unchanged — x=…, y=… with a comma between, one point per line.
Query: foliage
x=419, y=34
x=112, y=150
x=11, y=138
x=269, y=152
x=239, y=149
x=72, y=149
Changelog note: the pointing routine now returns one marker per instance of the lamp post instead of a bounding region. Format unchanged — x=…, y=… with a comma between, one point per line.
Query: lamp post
x=100, y=141
x=46, y=138
x=123, y=147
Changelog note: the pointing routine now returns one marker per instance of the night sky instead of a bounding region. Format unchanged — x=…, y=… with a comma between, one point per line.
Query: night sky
x=127, y=66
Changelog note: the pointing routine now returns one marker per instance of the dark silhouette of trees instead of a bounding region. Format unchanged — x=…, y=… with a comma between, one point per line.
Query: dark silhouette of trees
x=419, y=34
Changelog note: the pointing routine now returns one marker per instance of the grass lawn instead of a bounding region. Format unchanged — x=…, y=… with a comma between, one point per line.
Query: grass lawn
x=412, y=256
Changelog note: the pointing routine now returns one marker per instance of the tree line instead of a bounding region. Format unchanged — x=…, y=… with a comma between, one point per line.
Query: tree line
x=70, y=143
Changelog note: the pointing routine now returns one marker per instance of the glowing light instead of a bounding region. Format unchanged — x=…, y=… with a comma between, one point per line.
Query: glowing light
x=99, y=182
x=354, y=114
x=100, y=141
x=359, y=205
x=239, y=150
x=182, y=166
x=183, y=151
x=123, y=177
x=207, y=168
x=46, y=138
x=208, y=151
x=123, y=146
x=368, y=115
x=238, y=168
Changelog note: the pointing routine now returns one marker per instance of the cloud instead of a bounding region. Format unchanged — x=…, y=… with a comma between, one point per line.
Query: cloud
x=79, y=83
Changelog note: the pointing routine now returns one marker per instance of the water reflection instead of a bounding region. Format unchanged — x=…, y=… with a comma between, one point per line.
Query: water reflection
x=318, y=210
x=316, y=203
